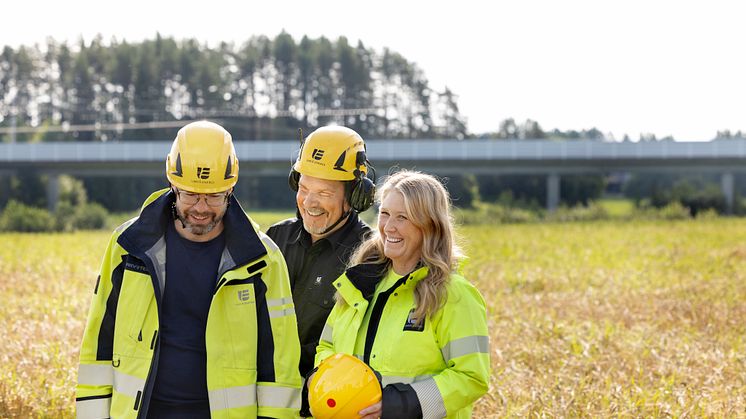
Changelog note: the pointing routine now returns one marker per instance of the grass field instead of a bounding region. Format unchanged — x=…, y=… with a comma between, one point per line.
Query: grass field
x=635, y=319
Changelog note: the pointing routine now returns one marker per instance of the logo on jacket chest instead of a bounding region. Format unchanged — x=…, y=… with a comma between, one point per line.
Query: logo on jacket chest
x=244, y=296
x=411, y=323
x=318, y=280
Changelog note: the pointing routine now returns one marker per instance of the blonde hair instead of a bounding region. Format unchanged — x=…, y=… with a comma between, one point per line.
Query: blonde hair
x=428, y=207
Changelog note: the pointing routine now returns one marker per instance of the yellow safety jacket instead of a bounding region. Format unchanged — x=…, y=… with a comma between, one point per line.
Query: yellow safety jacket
x=445, y=360
x=251, y=337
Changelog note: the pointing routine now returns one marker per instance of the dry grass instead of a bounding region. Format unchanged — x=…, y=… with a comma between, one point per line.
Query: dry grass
x=586, y=320
x=614, y=320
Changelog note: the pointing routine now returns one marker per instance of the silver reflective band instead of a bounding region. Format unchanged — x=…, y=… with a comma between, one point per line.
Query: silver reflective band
x=391, y=379
x=157, y=255
x=274, y=302
x=281, y=313
x=93, y=408
x=127, y=384
x=96, y=374
x=267, y=241
x=431, y=401
x=232, y=397
x=465, y=346
x=282, y=397
x=327, y=333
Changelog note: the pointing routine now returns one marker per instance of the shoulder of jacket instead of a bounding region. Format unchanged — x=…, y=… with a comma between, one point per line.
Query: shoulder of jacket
x=458, y=285
x=120, y=229
x=268, y=242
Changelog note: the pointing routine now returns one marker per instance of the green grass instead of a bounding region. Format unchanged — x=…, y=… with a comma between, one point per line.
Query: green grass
x=593, y=319
x=617, y=207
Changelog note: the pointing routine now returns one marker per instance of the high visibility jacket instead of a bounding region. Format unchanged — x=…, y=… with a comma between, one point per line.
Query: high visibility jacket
x=445, y=360
x=251, y=336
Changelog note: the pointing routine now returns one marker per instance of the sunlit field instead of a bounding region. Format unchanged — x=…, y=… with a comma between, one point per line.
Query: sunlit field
x=633, y=319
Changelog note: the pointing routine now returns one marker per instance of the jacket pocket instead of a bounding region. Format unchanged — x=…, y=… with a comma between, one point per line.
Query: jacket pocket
x=136, y=303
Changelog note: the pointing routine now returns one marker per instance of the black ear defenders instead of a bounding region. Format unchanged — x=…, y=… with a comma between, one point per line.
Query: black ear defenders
x=293, y=179
x=362, y=190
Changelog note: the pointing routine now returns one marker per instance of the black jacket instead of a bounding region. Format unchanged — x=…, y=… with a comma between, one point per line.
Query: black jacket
x=312, y=269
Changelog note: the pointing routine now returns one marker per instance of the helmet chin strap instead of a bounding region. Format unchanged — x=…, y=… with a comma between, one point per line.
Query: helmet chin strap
x=341, y=218
x=176, y=215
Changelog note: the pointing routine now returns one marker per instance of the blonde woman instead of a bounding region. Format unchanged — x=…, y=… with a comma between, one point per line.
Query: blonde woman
x=404, y=310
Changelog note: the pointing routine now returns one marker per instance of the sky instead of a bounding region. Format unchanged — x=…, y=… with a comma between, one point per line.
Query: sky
x=625, y=67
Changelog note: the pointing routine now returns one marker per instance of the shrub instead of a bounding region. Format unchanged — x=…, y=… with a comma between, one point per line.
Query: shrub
x=90, y=216
x=64, y=217
x=22, y=218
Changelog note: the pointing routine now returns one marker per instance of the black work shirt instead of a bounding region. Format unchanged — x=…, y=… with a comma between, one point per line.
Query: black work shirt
x=312, y=268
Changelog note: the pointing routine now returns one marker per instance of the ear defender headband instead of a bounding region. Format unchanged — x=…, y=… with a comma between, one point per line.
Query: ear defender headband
x=359, y=192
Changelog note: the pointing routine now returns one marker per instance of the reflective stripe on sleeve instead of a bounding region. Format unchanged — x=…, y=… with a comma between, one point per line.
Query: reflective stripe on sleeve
x=279, y=397
x=127, y=384
x=465, y=346
x=96, y=374
x=281, y=313
x=327, y=334
x=391, y=379
x=274, y=302
x=431, y=401
x=98, y=407
x=232, y=397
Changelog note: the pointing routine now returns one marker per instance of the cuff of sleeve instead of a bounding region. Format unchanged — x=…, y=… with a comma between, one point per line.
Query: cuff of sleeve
x=400, y=401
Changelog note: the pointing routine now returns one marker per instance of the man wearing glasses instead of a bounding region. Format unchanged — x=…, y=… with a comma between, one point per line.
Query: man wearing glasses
x=192, y=313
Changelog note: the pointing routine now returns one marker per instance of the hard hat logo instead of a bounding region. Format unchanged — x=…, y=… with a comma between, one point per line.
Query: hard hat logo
x=199, y=150
x=203, y=172
x=317, y=154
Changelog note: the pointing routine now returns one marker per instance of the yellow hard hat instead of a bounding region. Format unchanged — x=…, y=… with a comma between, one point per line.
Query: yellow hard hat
x=341, y=387
x=332, y=153
x=202, y=159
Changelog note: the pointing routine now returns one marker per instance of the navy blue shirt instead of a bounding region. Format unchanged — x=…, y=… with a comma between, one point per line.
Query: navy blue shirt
x=191, y=275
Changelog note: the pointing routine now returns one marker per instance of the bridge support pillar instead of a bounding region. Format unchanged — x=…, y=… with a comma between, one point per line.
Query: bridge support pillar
x=553, y=191
x=727, y=185
x=53, y=191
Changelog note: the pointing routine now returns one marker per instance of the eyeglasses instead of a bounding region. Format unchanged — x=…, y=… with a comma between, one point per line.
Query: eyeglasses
x=213, y=199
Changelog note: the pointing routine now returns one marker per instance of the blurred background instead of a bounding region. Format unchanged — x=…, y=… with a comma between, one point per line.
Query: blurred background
x=523, y=109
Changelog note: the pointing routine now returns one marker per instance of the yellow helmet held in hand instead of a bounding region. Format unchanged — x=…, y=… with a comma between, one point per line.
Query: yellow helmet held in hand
x=202, y=159
x=332, y=153
x=341, y=387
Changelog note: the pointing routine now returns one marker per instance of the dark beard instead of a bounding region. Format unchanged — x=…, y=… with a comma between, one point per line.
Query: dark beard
x=198, y=230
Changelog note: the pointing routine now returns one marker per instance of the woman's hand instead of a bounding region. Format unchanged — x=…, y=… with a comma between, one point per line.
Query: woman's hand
x=371, y=412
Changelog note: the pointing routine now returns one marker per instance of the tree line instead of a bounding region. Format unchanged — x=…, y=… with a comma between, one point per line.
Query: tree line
x=261, y=89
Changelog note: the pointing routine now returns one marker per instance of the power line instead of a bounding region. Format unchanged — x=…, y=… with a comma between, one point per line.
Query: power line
x=123, y=126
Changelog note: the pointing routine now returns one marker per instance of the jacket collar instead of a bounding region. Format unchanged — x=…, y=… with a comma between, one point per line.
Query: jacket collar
x=366, y=276
x=241, y=239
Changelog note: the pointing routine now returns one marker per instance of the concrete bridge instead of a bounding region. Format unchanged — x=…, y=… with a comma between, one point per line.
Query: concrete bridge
x=442, y=157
